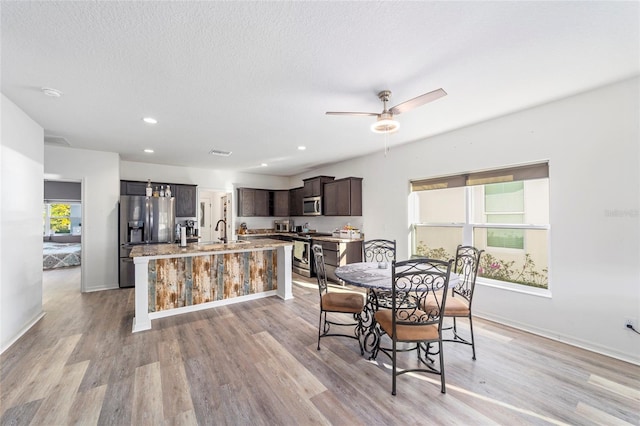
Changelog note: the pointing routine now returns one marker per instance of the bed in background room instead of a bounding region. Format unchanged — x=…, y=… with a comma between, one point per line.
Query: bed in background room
x=60, y=255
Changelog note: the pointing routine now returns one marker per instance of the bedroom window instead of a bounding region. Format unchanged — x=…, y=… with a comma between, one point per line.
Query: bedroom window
x=61, y=218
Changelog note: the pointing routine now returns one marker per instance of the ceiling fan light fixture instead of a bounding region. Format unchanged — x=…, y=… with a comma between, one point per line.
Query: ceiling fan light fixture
x=385, y=125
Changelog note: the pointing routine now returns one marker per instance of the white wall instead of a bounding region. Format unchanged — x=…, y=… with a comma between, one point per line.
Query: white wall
x=592, y=143
x=21, y=180
x=100, y=176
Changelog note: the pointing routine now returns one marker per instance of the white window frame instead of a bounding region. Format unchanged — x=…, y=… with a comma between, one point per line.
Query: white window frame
x=468, y=230
x=48, y=217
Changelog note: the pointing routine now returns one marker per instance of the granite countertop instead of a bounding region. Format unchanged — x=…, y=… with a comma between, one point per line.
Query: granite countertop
x=337, y=239
x=204, y=247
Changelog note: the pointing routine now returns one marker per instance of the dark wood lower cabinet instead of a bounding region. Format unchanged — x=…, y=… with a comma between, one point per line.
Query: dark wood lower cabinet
x=338, y=254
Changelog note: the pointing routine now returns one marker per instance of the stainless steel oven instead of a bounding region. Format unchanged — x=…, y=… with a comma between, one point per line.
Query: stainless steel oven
x=312, y=206
x=302, y=262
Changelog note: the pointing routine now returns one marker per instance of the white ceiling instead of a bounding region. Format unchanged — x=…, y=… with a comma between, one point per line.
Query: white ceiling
x=256, y=78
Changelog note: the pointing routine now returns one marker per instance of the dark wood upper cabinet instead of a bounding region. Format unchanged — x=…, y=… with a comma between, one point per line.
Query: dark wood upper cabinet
x=253, y=202
x=343, y=197
x=186, y=200
x=186, y=196
x=262, y=200
x=128, y=187
x=295, y=201
x=280, y=203
x=314, y=187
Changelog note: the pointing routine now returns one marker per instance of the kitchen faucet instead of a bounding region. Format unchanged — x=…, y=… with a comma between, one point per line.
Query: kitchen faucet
x=224, y=239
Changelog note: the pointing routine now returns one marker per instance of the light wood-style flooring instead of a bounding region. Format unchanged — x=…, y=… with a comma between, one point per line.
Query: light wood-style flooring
x=256, y=363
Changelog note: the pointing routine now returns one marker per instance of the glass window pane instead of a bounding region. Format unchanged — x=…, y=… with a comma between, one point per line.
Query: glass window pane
x=441, y=206
x=437, y=242
x=527, y=267
x=504, y=197
x=505, y=238
x=61, y=225
x=502, y=203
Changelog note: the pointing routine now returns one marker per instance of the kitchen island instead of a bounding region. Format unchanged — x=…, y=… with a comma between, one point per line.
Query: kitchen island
x=171, y=280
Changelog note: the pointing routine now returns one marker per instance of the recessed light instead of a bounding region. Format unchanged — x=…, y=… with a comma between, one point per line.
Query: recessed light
x=263, y=165
x=150, y=120
x=148, y=151
x=54, y=93
x=302, y=148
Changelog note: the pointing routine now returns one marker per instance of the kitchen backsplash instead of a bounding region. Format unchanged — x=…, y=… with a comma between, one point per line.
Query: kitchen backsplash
x=321, y=224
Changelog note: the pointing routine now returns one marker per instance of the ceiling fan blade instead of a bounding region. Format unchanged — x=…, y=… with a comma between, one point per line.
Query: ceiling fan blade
x=350, y=113
x=418, y=101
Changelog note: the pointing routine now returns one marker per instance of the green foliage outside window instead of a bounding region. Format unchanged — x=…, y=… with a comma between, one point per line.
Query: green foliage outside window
x=496, y=269
x=59, y=218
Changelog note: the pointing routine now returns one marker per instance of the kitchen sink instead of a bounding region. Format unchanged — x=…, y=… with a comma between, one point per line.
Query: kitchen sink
x=234, y=242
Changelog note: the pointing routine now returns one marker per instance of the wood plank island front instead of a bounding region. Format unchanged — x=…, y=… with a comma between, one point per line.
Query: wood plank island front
x=172, y=280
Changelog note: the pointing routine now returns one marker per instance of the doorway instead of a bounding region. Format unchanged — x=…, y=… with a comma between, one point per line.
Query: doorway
x=213, y=205
x=63, y=214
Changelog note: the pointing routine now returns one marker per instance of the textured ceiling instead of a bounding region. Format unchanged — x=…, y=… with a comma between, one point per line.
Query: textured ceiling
x=256, y=78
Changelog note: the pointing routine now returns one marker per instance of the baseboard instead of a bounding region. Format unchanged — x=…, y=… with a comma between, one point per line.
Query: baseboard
x=92, y=289
x=23, y=331
x=562, y=338
x=213, y=304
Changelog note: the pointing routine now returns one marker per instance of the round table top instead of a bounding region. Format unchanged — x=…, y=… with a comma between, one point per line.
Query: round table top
x=373, y=275
x=366, y=274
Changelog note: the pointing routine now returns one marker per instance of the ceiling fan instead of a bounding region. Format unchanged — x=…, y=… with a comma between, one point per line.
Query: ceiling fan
x=385, y=122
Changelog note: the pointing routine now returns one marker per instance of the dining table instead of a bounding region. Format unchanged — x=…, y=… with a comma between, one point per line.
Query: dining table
x=376, y=277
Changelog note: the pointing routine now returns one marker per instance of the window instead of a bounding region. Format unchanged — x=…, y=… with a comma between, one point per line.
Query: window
x=503, y=212
x=61, y=218
x=504, y=203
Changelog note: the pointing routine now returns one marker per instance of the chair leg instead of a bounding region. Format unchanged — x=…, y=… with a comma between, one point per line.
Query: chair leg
x=393, y=372
x=359, y=333
x=442, y=381
x=319, y=328
x=473, y=342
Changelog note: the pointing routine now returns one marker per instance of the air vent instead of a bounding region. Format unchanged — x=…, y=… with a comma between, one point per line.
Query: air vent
x=220, y=153
x=56, y=141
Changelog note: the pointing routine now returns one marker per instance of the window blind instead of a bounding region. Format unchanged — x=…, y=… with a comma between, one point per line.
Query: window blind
x=511, y=174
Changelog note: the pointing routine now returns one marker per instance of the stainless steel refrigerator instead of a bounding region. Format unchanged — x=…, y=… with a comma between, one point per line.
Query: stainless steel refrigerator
x=143, y=220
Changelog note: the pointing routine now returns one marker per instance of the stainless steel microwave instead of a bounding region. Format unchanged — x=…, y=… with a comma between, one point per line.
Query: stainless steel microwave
x=312, y=206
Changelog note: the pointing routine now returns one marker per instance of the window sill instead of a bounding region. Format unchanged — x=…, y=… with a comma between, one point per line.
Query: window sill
x=518, y=288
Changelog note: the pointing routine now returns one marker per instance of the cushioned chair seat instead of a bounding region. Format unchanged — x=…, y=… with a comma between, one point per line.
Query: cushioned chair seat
x=343, y=302
x=407, y=333
x=457, y=306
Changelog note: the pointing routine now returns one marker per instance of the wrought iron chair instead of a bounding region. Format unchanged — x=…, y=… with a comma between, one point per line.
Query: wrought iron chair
x=459, y=302
x=408, y=321
x=336, y=302
x=379, y=251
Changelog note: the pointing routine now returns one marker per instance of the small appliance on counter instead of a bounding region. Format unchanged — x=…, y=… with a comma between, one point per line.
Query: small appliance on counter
x=191, y=228
x=283, y=225
x=348, y=232
x=243, y=228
